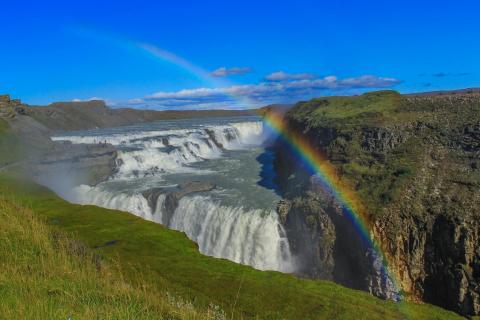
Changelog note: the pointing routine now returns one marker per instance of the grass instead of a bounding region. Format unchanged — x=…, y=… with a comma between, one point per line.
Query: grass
x=372, y=107
x=147, y=253
x=47, y=275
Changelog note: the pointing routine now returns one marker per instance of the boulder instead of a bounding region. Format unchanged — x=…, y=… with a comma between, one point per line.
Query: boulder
x=5, y=98
x=173, y=196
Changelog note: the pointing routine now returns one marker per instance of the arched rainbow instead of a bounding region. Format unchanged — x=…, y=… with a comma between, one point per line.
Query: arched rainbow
x=318, y=164
x=326, y=172
x=139, y=47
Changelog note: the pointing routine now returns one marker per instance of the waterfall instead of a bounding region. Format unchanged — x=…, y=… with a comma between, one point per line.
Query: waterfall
x=248, y=236
x=143, y=153
x=253, y=237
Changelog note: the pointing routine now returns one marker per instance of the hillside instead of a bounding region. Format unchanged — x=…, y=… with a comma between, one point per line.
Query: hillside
x=413, y=161
x=49, y=275
x=148, y=253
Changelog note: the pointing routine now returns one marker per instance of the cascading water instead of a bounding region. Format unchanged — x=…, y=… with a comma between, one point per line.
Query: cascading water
x=236, y=220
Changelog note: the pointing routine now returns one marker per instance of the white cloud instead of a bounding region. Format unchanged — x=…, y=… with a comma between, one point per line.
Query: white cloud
x=224, y=72
x=254, y=95
x=369, y=81
x=136, y=101
x=89, y=99
x=108, y=102
x=283, y=76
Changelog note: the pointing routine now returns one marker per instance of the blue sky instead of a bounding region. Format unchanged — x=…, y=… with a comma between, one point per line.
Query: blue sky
x=217, y=54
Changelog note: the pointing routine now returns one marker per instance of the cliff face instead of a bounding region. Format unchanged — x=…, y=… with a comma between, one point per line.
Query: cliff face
x=25, y=144
x=414, y=161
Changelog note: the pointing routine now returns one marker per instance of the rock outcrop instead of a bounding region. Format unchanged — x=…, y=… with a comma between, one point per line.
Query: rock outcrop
x=8, y=106
x=81, y=164
x=174, y=195
x=414, y=163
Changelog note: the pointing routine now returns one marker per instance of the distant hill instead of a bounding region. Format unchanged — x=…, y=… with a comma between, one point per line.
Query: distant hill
x=446, y=92
x=64, y=116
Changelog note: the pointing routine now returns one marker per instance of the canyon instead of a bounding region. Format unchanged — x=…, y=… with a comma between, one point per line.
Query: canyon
x=413, y=160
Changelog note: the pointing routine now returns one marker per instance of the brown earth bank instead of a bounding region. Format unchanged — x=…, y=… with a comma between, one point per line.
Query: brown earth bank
x=414, y=163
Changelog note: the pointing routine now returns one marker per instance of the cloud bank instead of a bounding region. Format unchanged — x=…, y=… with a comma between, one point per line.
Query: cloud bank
x=282, y=90
x=225, y=72
x=446, y=74
x=283, y=76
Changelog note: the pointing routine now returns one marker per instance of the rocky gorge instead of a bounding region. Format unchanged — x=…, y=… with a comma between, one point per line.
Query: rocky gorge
x=414, y=163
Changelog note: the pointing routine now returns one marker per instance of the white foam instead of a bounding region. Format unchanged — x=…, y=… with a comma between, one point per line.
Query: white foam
x=171, y=151
x=252, y=237
x=248, y=236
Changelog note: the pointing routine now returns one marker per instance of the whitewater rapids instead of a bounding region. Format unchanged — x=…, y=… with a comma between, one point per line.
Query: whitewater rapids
x=237, y=221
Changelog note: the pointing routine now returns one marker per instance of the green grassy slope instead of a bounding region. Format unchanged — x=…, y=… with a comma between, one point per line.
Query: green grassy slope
x=46, y=275
x=168, y=261
x=369, y=108
x=10, y=150
x=15, y=147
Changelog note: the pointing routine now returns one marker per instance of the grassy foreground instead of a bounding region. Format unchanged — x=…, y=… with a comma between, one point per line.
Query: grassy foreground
x=41, y=276
x=46, y=275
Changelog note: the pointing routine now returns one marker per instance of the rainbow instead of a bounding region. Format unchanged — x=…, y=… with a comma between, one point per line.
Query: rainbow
x=330, y=180
x=314, y=160
x=143, y=49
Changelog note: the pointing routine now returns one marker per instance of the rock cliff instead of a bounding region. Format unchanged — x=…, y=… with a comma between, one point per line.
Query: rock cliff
x=414, y=161
x=173, y=195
